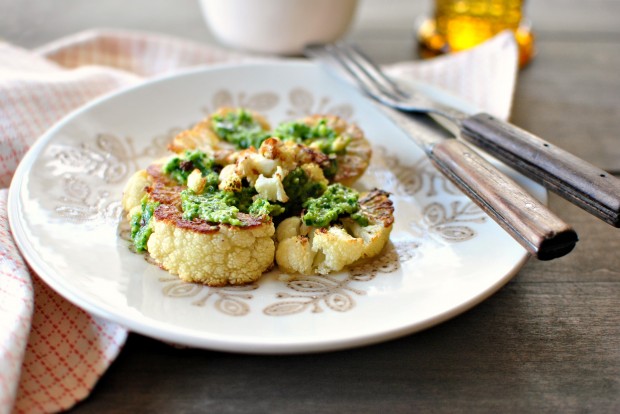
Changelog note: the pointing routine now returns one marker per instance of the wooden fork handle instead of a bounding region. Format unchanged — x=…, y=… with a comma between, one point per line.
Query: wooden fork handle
x=532, y=224
x=589, y=187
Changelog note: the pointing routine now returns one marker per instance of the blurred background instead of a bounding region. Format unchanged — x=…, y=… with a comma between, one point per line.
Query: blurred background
x=579, y=40
x=552, y=20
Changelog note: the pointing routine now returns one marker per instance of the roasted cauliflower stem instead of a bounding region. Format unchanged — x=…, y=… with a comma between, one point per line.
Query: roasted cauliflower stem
x=208, y=213
x=306, y=249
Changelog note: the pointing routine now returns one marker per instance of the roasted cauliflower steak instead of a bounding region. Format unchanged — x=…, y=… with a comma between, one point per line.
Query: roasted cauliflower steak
x=214, y=254
x=208, y=212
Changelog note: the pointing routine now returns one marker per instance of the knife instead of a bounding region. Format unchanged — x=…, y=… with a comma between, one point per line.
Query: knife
x=529, y=222
x=583, y=184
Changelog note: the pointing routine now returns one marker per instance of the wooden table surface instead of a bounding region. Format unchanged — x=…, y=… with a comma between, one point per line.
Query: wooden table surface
x=549, y=341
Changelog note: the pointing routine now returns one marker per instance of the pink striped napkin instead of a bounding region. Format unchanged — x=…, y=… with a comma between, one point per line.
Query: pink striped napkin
x=52, y=353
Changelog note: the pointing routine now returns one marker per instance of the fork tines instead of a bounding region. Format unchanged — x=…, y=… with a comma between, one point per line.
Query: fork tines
x=358, y=67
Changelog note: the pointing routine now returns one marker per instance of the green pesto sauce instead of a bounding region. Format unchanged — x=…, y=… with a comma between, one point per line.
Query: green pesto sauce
x=141, y=227
x=331, y=169
x=225, y=206
x=215, y=207
x=299, y=187
x=319, y=135
x=336, y=202
x=261, y=207
x=240, y=129
x=180, y=167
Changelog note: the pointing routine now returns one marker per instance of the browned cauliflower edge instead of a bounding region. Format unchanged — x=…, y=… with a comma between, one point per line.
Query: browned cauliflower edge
x=354, y=160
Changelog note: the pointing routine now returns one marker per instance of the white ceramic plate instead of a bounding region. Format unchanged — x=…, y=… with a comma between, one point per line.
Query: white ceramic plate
x=445, y=255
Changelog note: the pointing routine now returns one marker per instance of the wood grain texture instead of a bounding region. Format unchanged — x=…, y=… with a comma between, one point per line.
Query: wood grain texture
x=535, y=227
x=573, y=178
x=548, y=342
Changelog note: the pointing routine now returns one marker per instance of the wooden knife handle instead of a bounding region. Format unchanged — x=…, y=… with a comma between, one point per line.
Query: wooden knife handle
x=532, y=224
x=581, y=183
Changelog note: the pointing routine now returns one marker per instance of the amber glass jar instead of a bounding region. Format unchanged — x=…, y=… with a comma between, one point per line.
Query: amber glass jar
x=460, y=24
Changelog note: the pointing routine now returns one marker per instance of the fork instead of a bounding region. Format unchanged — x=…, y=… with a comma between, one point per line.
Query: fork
x=375, y=83
x=581, y=183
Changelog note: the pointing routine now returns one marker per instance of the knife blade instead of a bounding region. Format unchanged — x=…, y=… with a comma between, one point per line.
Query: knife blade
x=526, y=219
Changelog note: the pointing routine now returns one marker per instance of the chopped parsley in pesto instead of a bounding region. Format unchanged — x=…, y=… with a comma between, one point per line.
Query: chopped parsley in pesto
x=141, y=227
x=261, y=207
x=240, y=129
x=215, y=207
x=336, y=202
x=180, y=167
x=225, y=206
x=320, y=136
x=299, y=187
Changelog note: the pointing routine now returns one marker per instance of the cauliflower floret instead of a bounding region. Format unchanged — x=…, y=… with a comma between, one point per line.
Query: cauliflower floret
x=287, y=153
x=135, y=189
x=335, y=249
x=196, y=182
x=288, y=228
x=294, y=250
x=251, y=165
x=228, y=255
x=271, y=188
x=266, y=168
x=309, y=250
x=290, y=155
x=315, y=173
x=229, y=179
x=273, y=153
x=375, y=236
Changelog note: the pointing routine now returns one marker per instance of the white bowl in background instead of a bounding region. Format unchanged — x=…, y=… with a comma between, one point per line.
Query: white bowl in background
x=277, y=26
